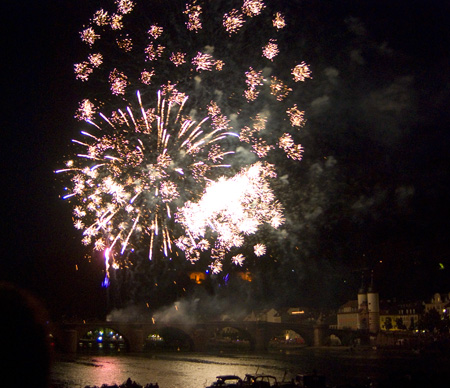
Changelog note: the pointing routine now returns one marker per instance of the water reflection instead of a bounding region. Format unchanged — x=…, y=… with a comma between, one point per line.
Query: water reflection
x=191, y=370
x=102, y=341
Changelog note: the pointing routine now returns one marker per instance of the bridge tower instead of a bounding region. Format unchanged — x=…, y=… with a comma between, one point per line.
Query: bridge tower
x=362, y=321
x=373, y=307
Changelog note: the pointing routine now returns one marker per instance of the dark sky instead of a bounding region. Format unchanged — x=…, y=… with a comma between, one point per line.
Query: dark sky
x=373, y=188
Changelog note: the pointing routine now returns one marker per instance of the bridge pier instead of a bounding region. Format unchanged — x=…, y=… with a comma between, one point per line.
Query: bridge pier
x=320, y=331
x=261, y=339
x=199, y=340
x=136, y=341
x=69, y=341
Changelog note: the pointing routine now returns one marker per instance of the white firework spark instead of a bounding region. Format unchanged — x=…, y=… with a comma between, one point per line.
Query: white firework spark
x=230, y=209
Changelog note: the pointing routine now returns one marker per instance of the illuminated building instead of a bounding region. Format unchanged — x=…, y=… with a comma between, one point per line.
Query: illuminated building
x=439, y=302
x=348, y=316
x=403, y=316
x=269, y=315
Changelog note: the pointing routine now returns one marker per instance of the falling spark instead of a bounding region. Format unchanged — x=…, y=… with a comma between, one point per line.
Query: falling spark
x=83, y=71
x=154, y=52
x=238, y=259
x=254, y=79
x=125, y=44
x=96, y=59
x=146, y=76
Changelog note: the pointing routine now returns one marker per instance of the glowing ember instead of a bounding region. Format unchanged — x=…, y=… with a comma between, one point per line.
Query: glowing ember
x=178, y=58
x=296, y=116
x=260, y=249
x=252, y=7
x=118, y=82
x=278, y=21
x=279, y=89
x=203, y=62
x=155, y=31
x=86, y=110
x=193, y=12
x=233, y=21
x=301, y=72
x=270, y=50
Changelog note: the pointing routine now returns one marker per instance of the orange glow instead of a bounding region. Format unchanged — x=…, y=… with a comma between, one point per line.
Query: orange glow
x=197, y=277
x=247, y=276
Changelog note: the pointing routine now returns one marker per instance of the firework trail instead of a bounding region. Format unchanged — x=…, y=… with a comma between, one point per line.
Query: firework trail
x=143, y=168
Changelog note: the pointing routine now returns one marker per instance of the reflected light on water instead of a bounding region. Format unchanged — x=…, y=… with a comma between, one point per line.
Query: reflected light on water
x=194, y=370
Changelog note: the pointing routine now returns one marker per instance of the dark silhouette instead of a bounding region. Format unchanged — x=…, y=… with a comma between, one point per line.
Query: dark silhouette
x=25, y=349
x=127, y=384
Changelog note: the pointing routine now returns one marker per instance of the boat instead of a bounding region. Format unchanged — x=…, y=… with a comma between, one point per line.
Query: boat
x=260, y=381
x=226, y=381
x=311, y=380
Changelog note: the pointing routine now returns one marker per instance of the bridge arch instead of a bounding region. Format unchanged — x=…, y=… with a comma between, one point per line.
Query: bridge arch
x=231, y=336
x=105, y=338
x=188, y=337
x=168, y=337
x=287, y=338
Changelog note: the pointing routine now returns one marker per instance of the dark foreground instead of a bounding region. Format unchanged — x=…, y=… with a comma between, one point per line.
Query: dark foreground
x=401, y=381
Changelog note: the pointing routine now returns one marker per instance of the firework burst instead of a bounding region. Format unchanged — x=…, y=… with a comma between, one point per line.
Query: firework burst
x=135, y=169
x=229, y=210
x=141, y=169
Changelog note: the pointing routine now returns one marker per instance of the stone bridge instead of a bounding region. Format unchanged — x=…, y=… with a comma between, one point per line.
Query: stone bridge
x=67, y=335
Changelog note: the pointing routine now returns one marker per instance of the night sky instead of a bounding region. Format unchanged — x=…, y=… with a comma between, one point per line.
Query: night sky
x=371, y=193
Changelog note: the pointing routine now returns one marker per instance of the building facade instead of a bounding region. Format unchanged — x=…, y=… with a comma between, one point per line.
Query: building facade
x=439, y=302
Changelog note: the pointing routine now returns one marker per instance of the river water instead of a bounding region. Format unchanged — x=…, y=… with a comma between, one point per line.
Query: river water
x=197, y=370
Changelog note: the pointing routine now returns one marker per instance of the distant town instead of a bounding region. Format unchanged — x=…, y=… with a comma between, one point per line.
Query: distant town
x=386, y=322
